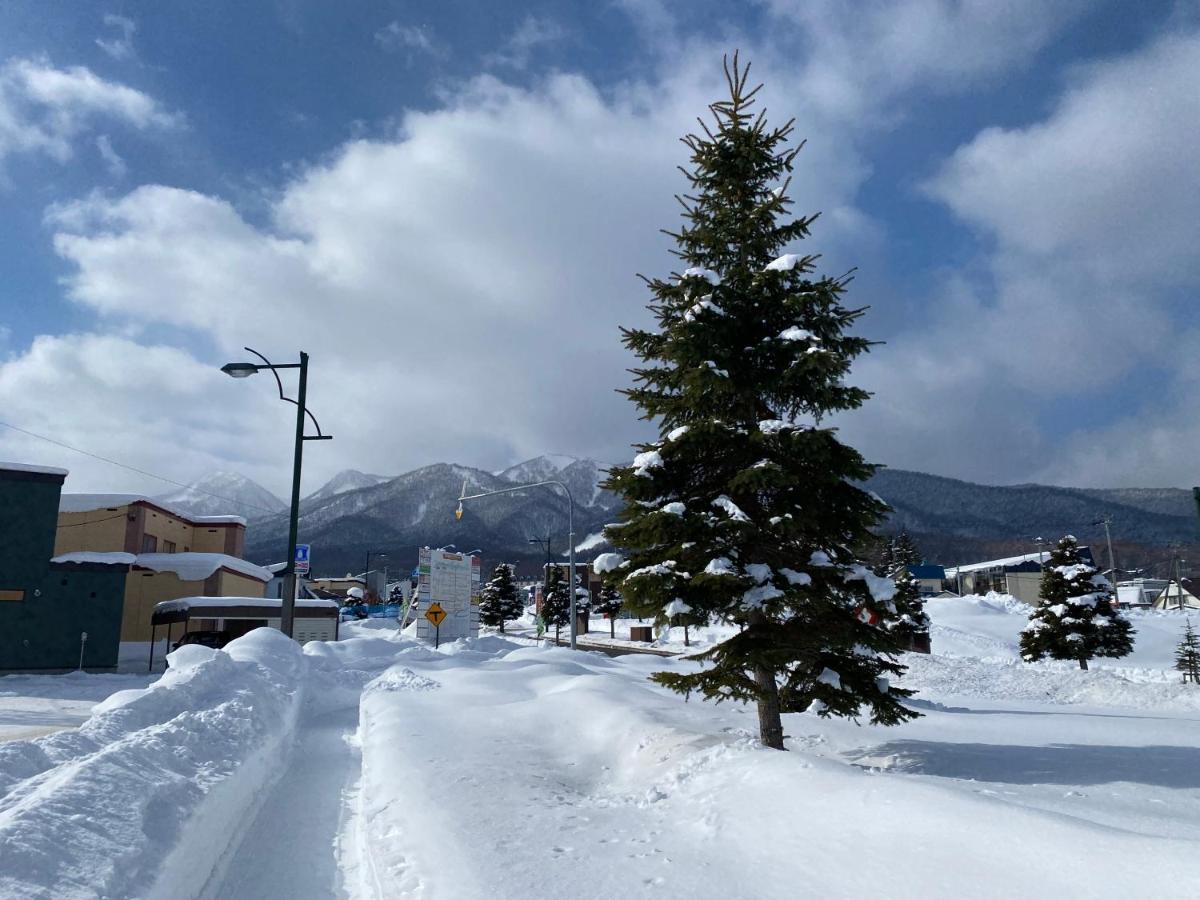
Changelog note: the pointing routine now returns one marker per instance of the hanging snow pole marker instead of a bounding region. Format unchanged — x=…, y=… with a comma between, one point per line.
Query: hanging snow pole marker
x=82, y=644
x=436, y=614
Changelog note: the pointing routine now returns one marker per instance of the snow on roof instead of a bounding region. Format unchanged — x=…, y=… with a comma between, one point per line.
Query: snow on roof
x=92, y=556
x=998, y=563
x=186, y=566
x=88, y=502
x=25, y=467
x=258, y=602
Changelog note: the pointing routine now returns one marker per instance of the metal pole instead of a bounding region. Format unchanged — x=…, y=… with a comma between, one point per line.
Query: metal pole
x=1112, y=562
x=288, y=604
x=571, y=538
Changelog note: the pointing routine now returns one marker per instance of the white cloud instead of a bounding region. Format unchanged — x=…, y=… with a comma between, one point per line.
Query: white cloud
x=112, y=159
x=1091, y=217
x=147, y=404
x=459, y=285
x=120, y=46
x=413, y=38
x=1109, y=180
x=44, y=109
x=859, y=54
x=532, y=33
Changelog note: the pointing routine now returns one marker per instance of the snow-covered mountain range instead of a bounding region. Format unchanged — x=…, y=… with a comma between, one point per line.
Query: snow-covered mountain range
x=954, y=521
x=342, y=521
x=343, y=481
x=224, y=493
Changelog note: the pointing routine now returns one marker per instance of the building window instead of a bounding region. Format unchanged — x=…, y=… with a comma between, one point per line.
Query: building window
x=168, y=546
x=12, y=596
x=149, y=543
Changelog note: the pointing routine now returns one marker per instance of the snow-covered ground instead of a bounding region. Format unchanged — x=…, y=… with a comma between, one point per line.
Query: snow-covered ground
x=35, y=705
x=378, y=767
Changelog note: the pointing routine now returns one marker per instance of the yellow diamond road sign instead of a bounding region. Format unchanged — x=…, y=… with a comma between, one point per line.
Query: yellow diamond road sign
x=435, y=614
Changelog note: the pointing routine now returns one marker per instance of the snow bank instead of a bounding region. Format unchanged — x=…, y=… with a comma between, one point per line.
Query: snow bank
x=498, y=771
x=145, y=798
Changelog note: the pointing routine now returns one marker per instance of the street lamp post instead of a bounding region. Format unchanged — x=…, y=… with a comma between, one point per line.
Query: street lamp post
x=244, y=370
x=570, y=529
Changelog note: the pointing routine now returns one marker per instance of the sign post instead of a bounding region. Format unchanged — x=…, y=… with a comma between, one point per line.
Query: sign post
x=302, y=559
x=435, y=614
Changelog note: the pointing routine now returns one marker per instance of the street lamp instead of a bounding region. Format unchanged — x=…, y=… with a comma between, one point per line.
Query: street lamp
x=245, y=370
x=570, y=528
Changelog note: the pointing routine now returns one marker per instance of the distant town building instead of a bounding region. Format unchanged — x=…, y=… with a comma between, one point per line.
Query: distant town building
x=1020, y=576
x=930, y=578
x=1140, y=593
x=1183, y=594
x=167, y=554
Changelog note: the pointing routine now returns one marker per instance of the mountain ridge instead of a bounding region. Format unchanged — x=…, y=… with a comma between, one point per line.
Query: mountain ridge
x=954, y=520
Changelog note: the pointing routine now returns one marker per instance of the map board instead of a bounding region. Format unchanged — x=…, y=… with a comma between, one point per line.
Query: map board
x=451, y=580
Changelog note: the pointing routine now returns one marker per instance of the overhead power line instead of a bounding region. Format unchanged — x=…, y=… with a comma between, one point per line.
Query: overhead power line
x=113, y=462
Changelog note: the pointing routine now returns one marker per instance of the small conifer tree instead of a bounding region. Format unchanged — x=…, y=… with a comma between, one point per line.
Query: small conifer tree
x=747, y=508
x=1076, y=617
x=909, y=622
x=609, y=605
x=498, y=601
x=556, y=602
x=1187, y=655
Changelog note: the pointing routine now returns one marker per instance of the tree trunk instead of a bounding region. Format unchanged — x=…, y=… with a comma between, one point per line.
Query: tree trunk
x=502, y=626
x=1083, y=664
x=612, y=627
x=770, y=726
x=686, y=642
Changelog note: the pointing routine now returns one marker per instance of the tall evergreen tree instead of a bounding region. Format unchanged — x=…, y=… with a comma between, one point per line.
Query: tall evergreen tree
x=609, y=605
x=1187, y=655
x=904, y=550
x=498, y=601
x=746, y=508
x=556, y=602
x=1076, y=617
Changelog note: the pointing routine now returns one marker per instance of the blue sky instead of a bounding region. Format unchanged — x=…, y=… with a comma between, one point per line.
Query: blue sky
x=446, y=203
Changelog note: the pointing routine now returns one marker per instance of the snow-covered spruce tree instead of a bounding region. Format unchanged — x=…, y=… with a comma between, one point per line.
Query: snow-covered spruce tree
x=746, y=509
x=1075, y=617
x=609, y=605
x=1187, y=655
x=904, y=550
x=498, y=601
x=909, y=623
x=556, y=602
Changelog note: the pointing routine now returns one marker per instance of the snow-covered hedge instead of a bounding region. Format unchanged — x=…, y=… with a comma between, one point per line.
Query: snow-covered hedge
x=145, y=798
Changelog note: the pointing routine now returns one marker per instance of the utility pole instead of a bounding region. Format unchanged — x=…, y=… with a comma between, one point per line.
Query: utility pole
x=1106, y=521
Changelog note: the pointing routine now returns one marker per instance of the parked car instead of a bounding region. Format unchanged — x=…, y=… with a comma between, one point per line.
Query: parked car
x=214, y=639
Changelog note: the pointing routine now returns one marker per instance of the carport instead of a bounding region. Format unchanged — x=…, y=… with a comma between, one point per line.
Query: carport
x=316, y=620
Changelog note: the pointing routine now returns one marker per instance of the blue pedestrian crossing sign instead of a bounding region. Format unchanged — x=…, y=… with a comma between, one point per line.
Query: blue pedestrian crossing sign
x=302, y=559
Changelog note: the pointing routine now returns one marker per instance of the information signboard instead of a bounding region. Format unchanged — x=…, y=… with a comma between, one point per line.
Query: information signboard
x=452, y=581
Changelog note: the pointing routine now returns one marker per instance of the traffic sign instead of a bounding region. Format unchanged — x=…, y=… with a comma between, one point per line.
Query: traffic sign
x=435, y=614
x=302, y=559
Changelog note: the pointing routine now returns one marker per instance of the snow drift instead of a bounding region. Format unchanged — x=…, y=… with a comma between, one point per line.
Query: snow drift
x=145, y=798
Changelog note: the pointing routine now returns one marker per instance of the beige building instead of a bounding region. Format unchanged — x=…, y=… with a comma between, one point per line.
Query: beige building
x=170, y=555
x=131, y=523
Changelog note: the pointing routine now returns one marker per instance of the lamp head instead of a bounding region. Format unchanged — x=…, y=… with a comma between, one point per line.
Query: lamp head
x=239, y=370
x=458, y=512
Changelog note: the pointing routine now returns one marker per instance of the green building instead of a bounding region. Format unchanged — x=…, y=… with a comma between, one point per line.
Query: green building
x=46, y=607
